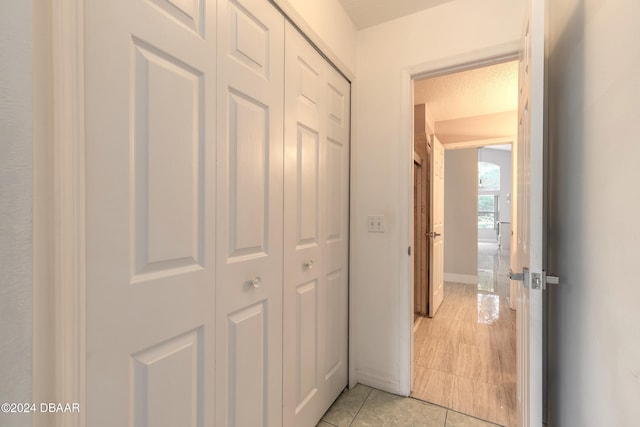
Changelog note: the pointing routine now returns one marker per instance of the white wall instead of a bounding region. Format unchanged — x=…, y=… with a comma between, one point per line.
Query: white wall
x=594, y=232
x=454, y=32
x=461, y=215
x=15, y=208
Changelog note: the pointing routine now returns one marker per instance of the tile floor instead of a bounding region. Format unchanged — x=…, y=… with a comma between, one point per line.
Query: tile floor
x=367, y=407
x=465, y=357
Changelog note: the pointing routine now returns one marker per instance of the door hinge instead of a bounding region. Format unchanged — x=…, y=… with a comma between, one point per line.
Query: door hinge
x=409, y=251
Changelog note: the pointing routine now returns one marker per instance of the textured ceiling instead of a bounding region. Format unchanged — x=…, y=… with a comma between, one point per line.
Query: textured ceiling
x=475, y=92
x=366, y=13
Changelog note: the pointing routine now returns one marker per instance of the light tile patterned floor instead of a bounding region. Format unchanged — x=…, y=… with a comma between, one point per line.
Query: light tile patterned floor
x=465, y=357
x=367, y=407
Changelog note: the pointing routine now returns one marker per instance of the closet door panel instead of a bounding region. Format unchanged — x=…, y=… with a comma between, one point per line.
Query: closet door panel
x=316, y=183
x=303, y=287
x=150, y=73
x=249, y=215
x=336, y=226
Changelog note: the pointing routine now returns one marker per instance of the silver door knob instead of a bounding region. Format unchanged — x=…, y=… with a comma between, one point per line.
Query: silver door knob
x=308, y=265
x=255, y=282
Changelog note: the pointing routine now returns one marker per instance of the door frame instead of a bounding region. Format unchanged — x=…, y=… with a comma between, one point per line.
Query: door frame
x=481, y=58
x=67, y=253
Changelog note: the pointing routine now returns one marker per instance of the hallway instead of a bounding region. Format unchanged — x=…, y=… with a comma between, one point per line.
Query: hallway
x=465, y=357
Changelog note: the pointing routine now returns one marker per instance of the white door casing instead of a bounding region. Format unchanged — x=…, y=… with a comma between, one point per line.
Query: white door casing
x=315, y=232
x=436, y=240
x=530, y=234
x=249, y=214
x=150, y=73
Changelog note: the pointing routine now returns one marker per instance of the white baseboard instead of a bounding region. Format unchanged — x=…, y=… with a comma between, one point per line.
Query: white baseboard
x=461, y=278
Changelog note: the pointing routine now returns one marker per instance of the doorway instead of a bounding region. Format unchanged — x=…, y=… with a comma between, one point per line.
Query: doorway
x=464, y=355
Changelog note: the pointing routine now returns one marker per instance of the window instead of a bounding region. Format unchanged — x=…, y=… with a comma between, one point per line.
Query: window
x=488, y=186
x=487, y=210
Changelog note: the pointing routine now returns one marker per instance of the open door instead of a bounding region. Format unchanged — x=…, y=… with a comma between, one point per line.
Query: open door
x=418, y=236
x=530, y=227
x=436, y=233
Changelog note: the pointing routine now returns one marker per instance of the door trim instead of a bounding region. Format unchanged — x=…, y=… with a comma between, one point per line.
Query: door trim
x=484, y=57
x=69, y=194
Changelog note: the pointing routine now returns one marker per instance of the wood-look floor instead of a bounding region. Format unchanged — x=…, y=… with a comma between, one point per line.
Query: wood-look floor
x=465, y=357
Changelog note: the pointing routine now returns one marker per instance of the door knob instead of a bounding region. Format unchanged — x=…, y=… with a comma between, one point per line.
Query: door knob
x=308, y=265
x=255, y=282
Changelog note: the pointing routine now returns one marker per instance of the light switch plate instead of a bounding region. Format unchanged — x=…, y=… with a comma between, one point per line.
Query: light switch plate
x=376, y=224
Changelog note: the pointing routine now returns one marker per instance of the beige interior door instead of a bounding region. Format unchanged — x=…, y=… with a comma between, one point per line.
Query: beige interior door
x=249, y=214
x=436, y=234
x=150, y=191
x=530, y=234
x=315, y=232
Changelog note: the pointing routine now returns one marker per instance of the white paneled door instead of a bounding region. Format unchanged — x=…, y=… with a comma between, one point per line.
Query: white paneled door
x=436, y=234
x=249, y=214
x=150, y=192
x=315, y=232
x=205, y=225
x=530, y=224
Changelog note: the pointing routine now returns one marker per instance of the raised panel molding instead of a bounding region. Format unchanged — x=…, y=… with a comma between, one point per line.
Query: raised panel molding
x=248, y=366
x=189, y=13
x=249, y=40
x=167, y=377
x=307, y=342
x=168, y=167
x=336, y=290
x=335, y=191
x=310, y=81
x=308, y=191
x=336, y=105
x=248, y=176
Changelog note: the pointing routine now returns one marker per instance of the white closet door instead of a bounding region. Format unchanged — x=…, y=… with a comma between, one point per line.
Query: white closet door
x=336, y=232
x=303, y=287
x=315, y=232
x=249, y=214
x=150, y=180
